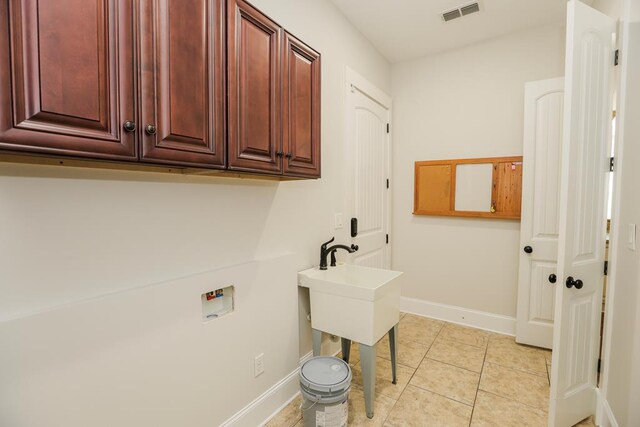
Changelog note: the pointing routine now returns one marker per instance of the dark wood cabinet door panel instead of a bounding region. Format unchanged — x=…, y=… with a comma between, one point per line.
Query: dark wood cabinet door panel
x=300, y=108
x=183, y=90
x=67, y=77
x=254, y=90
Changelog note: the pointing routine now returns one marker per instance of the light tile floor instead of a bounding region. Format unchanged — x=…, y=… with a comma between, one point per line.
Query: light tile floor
x=448, y=375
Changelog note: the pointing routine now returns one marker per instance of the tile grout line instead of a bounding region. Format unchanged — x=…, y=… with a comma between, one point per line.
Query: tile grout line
x=441, y=395
x=414, y=372
x=524, y=371
x=451, y=364
x=456, y=366
x=475, y=399
x=515, y=401
x=445, y=363
x=548, y=373
x=465, y=343
x=405, y=388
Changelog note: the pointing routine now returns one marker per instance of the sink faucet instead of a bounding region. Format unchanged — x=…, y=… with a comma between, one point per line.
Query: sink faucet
x=325, y=251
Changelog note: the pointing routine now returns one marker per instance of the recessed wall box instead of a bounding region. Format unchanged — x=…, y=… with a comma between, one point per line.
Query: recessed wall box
x=217, y=303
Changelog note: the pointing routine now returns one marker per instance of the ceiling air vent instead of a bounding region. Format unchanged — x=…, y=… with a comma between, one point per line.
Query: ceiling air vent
x=469, y=9
x=452, y=14
x=461, y=11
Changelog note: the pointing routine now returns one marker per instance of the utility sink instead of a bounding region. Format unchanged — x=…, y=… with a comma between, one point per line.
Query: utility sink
x=358, y=303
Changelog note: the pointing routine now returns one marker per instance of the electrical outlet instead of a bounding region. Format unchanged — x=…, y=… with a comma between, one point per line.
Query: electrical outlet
x=338, y=221
x=258, y=365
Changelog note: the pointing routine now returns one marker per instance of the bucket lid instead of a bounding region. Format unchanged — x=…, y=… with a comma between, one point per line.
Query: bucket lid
x=325, y=374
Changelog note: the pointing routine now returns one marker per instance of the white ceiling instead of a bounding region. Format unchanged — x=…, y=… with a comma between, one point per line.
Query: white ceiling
x=406, y=29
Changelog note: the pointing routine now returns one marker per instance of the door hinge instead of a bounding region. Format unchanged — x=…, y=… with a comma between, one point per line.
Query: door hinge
x=387, y=182
x=606, y=267
x=599, y=365
x=387, y=239
x=387, y=127
x=616, y=57
x=611, y=163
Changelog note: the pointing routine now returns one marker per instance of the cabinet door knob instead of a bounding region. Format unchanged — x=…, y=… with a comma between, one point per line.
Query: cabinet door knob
x=289, y=155
x=528, y=249
x=279, y=153
x=150, y=129
x=129, y=126
x=552, y=278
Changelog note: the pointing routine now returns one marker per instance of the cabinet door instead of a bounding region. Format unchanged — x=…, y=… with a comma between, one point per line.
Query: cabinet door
x=254, y=90
x=183, y=82
x=67, y=77
x=300, y=108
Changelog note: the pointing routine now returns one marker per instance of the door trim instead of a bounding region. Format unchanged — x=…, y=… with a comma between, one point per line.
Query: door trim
x=353, y=80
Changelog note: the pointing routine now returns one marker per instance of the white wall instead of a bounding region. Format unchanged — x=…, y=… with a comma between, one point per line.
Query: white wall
x=621, y=377
x=612, y=8
x=69, y=238
x=461, y=104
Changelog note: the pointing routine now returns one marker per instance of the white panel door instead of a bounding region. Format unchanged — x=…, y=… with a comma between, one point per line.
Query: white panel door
x=543, y=114
x=581, y=242
x=369, y=141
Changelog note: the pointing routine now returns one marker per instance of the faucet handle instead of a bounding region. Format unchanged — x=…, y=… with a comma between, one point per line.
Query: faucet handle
x=333, y=257
x=324, y=245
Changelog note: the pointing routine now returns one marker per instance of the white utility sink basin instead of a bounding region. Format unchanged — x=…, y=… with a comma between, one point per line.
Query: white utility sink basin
x=357, y=303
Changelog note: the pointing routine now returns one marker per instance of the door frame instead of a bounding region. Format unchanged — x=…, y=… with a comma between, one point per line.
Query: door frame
x=603, y=412
x=353, y=80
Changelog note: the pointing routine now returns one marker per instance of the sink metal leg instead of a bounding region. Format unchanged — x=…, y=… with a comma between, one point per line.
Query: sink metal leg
x=393, y=350
x=316, y=335
x=346, y=349
x=368, y=364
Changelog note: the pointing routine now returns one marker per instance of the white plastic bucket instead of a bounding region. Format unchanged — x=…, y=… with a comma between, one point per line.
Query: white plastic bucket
x=325, y=383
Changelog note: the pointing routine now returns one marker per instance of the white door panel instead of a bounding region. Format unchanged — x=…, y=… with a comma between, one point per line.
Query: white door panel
x=369, y=142
x=581, y=243
x=540, y=202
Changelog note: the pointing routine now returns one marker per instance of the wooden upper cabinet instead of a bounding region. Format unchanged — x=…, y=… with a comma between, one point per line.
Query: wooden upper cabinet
x=67, y=77
x=253, y=48
x=300, y=108
x=183, y=93
x=210, y=84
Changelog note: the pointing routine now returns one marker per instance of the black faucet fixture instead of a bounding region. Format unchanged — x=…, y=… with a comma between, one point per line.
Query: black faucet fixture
x=325, y=251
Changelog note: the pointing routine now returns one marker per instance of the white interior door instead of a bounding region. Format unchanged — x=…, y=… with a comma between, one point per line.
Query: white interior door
x=587, y=121
x=368, y=137
x=543, y=114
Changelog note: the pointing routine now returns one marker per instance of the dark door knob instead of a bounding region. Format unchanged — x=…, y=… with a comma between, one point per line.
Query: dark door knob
x=150, y=129
x=289, y=155
x=279, y=153
x=574, y=283
x=129, y=126
x=552, y=278
x=528, y=249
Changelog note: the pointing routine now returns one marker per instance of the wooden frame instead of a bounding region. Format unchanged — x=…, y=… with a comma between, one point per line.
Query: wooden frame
x=435, y=187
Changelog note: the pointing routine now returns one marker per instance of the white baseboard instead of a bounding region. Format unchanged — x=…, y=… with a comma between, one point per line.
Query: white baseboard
x=306, y=357
x=260, y=409
x=463, y=316
x=604, y=414
x=269, y=403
